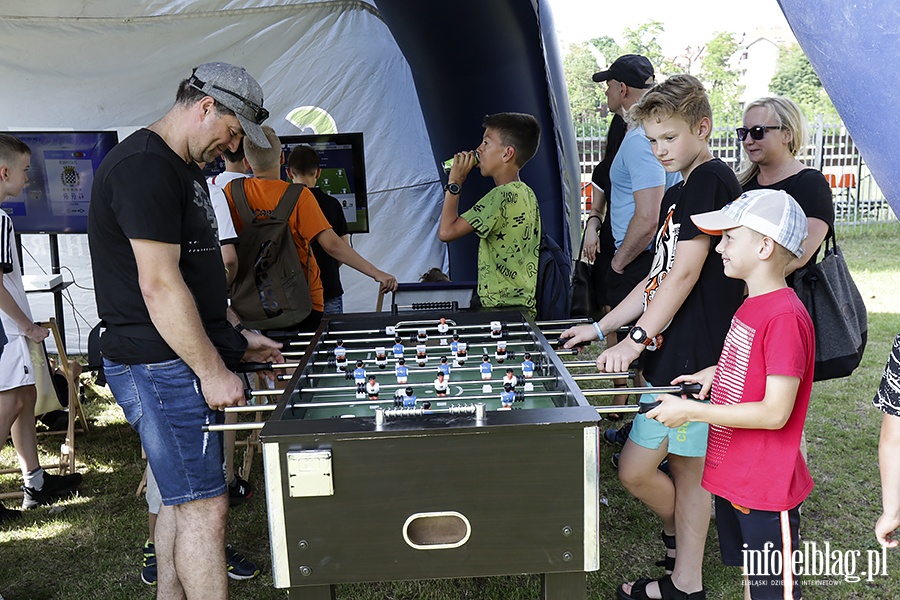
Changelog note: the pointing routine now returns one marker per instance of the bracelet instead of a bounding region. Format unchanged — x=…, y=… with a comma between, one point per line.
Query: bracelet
x=597, y=329
x=239, y=327
x=591, y=217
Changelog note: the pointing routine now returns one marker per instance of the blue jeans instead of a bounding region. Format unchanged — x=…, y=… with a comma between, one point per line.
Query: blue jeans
x=164, y=404
x=335, y=306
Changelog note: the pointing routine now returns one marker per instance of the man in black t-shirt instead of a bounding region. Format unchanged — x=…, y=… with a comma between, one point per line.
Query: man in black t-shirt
x=169, y=347
x=303, y=167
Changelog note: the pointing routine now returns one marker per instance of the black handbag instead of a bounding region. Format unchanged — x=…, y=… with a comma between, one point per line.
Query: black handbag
x=837, y=310
x=582, y=286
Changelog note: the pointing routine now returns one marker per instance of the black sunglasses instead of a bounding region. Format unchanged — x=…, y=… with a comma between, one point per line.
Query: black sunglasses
x=757, y=132
x=261, y=113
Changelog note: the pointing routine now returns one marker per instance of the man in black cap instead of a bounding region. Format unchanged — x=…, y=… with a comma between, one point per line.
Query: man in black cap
x=631, y=184
x=169, y=349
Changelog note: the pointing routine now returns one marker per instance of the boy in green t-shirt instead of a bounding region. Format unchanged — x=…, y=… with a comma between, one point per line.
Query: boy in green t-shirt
x=507, y=218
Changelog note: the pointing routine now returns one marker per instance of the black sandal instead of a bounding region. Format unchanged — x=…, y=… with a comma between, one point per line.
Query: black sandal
x=667, y=590
x=669, y=561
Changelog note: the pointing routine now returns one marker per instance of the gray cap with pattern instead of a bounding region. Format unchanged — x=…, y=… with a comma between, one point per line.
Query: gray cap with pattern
x=234, y=88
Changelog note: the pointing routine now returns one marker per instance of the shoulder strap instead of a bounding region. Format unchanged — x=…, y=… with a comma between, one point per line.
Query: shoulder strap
x=288, y=201
x=239, y=197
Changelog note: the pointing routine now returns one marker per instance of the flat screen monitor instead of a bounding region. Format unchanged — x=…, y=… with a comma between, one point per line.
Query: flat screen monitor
x=58, y=193
x=343, y=164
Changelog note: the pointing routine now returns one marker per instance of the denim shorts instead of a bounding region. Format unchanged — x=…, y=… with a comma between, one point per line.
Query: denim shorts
x=164, y=404
x=334, y=306
x=687, y=440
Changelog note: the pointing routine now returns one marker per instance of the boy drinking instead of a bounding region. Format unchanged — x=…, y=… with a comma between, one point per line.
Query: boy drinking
x=507, y=218
x=759, y=393
x=682, y=310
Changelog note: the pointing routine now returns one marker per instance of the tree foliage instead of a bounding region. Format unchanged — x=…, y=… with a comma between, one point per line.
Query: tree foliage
x=795, y=78
x=721, y=79
x=586, y=98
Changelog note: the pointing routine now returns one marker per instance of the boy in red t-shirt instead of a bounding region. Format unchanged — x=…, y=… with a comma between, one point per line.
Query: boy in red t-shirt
x=759, y=394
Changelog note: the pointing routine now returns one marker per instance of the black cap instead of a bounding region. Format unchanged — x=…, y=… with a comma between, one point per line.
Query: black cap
x=631, y=69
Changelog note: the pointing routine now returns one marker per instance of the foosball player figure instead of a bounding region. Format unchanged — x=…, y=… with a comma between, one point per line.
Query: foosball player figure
x=461, y=351
x=496, y=330
x=441, y=384
x=444, y=367
x=398, y=398
x=372, y=388
x=359, y=373
x=340, y=356
x=398, y=347
x=454, y=345
x=527, y=366
x=380, y=357
x=443, y=328
x=510, y=377
x=500, y=355
x=422, y=336
x=486, y=368
x=421, y=355
x=409, y=400
x=507, y=397
x=401, y=371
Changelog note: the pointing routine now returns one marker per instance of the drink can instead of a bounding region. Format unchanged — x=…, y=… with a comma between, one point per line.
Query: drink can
x=448, y=164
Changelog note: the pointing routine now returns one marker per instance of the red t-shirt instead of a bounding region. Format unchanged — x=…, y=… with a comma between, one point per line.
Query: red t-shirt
x=307, y=221
x=762, y=469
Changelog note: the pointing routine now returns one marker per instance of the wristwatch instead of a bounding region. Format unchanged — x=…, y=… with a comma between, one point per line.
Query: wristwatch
x=453, y=188
x=639, y=336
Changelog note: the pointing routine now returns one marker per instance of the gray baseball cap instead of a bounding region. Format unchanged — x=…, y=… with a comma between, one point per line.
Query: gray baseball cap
x=234, y=88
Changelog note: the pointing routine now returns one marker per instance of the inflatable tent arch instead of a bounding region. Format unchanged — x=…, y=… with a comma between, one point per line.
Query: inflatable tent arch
x=415, y=78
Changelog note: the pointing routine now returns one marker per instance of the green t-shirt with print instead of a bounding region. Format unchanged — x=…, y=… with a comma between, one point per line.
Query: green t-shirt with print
x=508, y=222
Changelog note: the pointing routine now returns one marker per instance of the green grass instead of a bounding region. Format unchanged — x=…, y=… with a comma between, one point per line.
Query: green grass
x=90, y=549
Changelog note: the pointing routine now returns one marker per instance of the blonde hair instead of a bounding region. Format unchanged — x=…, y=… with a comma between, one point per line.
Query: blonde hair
x=789, y=117
x=682, y=96
x=264, y=159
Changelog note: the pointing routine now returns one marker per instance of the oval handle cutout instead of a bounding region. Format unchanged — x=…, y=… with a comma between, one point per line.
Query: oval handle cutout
x=436, y=530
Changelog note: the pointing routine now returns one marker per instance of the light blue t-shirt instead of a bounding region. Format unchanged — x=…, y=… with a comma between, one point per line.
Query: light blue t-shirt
x=633, y=169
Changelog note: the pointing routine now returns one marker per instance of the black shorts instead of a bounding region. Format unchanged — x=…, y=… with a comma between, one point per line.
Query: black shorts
x=770, y=539
x=619, y=286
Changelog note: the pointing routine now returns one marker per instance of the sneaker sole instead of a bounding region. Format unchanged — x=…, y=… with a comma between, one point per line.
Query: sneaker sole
x=239, y=577
x=152, y=583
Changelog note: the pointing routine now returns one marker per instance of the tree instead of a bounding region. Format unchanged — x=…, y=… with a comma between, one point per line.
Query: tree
x=643, y=40
x=720, y=79
x=586, y=98
x=795, y=78
x=608, y=48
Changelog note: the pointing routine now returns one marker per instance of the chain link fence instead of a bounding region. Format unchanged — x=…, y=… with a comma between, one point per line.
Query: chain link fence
x=858, y=201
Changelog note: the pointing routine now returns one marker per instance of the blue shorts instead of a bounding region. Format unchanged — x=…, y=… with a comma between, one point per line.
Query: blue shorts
x=334, y=306
x=770, y=538
x=164, y=404
x=687, y=440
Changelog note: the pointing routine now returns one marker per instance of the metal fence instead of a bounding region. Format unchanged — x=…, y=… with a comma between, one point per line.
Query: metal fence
x=858, y=201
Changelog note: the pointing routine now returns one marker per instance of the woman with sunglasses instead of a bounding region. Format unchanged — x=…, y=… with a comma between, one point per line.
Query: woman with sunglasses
x=773, y=134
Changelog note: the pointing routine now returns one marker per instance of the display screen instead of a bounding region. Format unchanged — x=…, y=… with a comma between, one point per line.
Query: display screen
x=58, y=193
x=343, y=164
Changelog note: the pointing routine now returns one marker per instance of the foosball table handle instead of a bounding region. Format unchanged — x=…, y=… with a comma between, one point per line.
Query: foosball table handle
x=685, y=389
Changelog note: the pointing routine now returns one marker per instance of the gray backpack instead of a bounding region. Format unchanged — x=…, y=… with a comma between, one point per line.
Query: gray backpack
x=270, y=290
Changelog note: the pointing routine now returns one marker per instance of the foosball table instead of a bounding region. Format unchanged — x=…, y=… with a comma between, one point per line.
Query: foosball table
x=431, y=476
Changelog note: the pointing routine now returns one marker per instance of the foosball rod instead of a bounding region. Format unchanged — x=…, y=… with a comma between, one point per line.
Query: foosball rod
x=416, y=369
x=390, y=340
x=411, y=347
x=558, y=351
x=433, y=324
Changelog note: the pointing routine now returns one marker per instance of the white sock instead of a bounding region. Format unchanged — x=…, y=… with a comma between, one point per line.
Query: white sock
x=35, y=479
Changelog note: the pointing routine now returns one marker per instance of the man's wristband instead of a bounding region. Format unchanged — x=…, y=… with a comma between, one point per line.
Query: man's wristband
x=591, y=217
x=599, y=332
x=239, y=327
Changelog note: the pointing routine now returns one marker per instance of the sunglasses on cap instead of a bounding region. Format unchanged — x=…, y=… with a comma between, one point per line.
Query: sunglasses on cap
x=757, y=132
x=260, y=113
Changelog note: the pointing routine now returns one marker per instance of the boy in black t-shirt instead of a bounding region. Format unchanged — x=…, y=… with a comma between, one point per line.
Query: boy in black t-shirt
x=683, y=311
x=303, y=167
